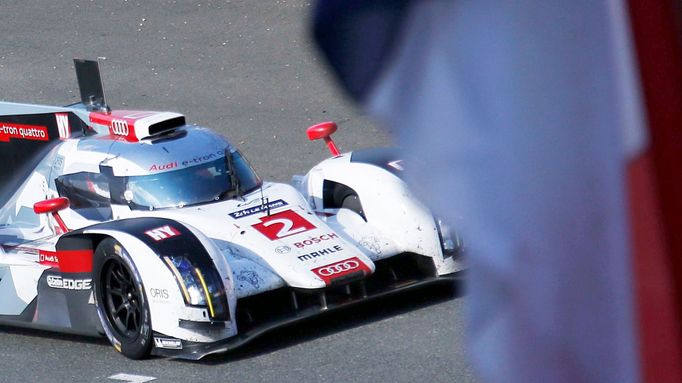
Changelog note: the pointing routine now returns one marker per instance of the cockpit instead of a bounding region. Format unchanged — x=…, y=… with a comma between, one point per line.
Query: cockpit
x=224, y=178
x=91, y=194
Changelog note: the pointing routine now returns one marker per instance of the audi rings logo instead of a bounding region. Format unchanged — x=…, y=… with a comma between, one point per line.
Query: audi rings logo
x=120, y=127
x=338, y=268
x=334, y=271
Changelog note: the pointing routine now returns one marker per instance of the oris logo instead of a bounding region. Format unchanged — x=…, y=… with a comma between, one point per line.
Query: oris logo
x=120, y=127
x=348, y=266
x=161, y=294
x=338, y=268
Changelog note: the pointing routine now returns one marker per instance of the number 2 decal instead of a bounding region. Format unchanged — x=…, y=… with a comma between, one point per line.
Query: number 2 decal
x=286, y=229
x=282, y=224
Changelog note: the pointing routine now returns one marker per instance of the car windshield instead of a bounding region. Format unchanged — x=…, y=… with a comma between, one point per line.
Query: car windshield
x=204, y=183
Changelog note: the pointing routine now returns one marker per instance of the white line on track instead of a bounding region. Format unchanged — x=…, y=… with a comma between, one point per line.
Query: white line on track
x=129, y=378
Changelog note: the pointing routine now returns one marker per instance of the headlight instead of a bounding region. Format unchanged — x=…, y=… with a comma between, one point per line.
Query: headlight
x=199, y=288
x=450, y=242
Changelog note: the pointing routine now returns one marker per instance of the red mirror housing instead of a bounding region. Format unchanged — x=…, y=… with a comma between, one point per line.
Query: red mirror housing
x=321, y=130
x=51, y=205
x=324, y=130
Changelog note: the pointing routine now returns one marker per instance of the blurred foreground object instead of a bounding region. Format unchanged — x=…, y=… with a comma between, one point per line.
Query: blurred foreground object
x=534, y=116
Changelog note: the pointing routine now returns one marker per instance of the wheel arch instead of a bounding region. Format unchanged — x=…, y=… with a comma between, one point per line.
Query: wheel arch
x=148, y=247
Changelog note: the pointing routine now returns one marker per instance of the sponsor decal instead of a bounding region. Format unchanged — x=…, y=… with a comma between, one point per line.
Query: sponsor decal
x=282, y=249
x=57, y=282
x=282, y=224
x=173, y=344
x=23, y=132
x=118, y=124
x=320, y=253
x=48, y=258
x=161, y=233
x=257, y=209
x=119, y=127
x=63, y=125
x=335, y=270
x=203, y=158
x=161, y=294
x=168, y=166
x=314, y=240
x=68, y=261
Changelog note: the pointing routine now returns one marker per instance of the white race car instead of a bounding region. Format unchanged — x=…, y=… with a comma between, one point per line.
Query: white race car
x=160, y=235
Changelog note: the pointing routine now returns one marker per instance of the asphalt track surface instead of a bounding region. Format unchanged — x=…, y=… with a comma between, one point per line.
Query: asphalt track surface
x=248, y=70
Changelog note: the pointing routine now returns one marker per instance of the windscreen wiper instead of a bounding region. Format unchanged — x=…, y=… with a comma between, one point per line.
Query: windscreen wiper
x=234, y=181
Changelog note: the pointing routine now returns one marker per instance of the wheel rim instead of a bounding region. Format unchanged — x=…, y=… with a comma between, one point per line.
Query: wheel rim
x=122, y=299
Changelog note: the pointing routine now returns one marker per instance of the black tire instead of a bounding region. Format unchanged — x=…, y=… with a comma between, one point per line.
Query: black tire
x=121, y=303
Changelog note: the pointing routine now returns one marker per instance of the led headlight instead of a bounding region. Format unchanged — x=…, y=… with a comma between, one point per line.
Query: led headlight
x=451, y=243
x=199, y=288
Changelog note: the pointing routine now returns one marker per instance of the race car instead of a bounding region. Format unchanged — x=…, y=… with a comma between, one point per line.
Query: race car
x=160, y=235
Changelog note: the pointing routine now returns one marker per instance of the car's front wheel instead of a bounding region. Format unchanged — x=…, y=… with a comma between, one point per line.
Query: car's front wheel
x=121, y=303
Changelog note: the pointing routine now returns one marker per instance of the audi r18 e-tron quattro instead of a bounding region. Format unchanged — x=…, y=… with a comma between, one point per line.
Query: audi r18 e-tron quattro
x=160, y=236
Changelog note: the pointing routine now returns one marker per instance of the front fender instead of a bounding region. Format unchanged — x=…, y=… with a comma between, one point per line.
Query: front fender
x=150, y=242
x=387, y=203
x=395, y=220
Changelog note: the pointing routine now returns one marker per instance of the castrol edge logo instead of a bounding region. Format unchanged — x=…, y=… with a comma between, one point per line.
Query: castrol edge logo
x=335, y=270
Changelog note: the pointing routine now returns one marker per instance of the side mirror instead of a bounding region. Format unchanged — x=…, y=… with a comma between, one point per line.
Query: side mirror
x=53, y=206
x=324, y=130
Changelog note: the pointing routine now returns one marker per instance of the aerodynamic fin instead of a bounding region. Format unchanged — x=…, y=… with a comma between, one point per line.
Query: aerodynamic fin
x=90, y=85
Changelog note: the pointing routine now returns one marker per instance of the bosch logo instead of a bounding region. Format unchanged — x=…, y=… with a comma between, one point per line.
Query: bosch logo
x=314, y=240
x=338, y=268
x=282, y=249
x=120, y=127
